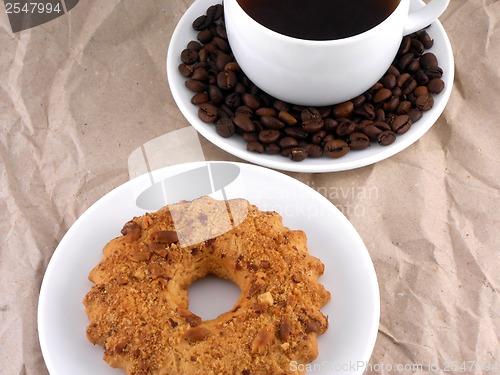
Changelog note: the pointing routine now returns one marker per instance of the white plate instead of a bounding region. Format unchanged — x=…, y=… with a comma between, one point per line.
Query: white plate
x=237, y=146
x=350, y=276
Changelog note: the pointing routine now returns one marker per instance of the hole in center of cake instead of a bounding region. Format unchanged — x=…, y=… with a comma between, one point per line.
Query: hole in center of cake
x=212, y=296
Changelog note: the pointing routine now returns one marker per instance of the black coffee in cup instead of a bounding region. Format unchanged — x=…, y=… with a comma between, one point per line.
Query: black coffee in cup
x=319, y=19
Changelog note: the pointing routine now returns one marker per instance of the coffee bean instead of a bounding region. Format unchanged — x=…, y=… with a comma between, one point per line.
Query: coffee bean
x=280, y=105
x=200, y=23
x=210, y=48
x=297, y=133
x=255, y=146
x=240, y=89
x=185, y=70
x=313, y=125
x=272, y=149
x=266, y=111
x=287, y=118
x=392, y=104
x=226, y=80
x=358, y=141
x=414, y=66
x=421, y=77
x=189, y=56
x=403, y=107
x=288, y=142
x=203, y=55
x=403, y=79
x=421, y=90
x=386, y=138
x=269, y=136
x=317, y=138
x=286, y=152
x=393, y=70
x=251, y=101
x=417, y=48
x=405, y=46
x=272, y=123
x=382, y=95
x=207, y=112
x=313, y=151
x=232, y=100
x=205, y=36
x=367, y=110
x=245, y=123
x=250, y=137
x=415, y=114
x=226, y=111
x=362, y=124
x=325, y=111
x=215, y=94
x=345, y=127
x=298, y=154
x=195, y=86
x=435, y=85
x=330, y=125
x=310, y=113
x=409, y=86
x=244, y=110
x=220, y=30
x=401, y=124
x=359, y=100
x=424, y=102
x=232, y=66
x=412, y=98
x=428, y=61
x=405, y=60
x=225, y=127
x=336, y=148
x=215, y=12
x=222, y=114
x=200, y=74
x=389, y=81
x=327, y=138
x=258, y=126
x=372, y=132
x=222, y=60
x=397, y=92
x=434, y=73
x=382, y=125
x=221, y=44
x=388, y=121
x=376, y=86
x=343, y=110
x=199, y=98
x=424, y=37
x=379, y=115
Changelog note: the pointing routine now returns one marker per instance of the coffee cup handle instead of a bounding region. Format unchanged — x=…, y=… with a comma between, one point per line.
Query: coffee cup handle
x=423, y=17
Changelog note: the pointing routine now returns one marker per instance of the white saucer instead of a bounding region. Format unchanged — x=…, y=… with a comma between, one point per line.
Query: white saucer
x=237, y=146
x=349, y=273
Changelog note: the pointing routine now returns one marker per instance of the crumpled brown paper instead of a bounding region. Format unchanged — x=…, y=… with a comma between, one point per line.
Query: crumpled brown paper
x=80, y=93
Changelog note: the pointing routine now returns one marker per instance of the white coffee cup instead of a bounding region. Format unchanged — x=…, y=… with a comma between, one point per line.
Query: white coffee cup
x=316, y=72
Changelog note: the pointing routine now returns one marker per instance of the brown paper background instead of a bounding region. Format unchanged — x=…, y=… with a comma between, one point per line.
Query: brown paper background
x=80, y=93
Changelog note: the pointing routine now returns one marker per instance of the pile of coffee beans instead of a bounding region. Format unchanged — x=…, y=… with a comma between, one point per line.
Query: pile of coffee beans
x=235, y=106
